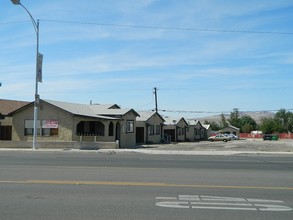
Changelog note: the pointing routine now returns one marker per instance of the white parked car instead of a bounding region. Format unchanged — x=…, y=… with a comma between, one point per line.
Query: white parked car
x=233, y=137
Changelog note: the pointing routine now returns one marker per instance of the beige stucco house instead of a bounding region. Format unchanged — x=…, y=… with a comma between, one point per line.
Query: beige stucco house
x=149, y=128
x=63, y=121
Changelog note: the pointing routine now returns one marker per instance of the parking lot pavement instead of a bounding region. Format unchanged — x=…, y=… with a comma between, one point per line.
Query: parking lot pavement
x=248, y=145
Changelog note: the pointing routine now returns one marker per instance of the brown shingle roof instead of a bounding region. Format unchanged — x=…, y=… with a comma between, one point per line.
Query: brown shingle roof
x=7, y=106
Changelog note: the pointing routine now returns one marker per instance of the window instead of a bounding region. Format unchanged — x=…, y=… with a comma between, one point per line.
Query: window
x=151, y=130
x=130, y=126
x=180, y=131
x=29, y=127
x=158, y=129
x=45, y=127
x=49, y=131
x=111, y=129
x=50, y=127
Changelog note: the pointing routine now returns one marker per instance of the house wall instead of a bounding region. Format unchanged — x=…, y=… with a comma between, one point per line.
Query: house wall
x=181, y=135
x=155, y=121
x=46, y=112
x=128, y=139
x=6, y=121
x=196, y=132
x=208, y=132
x=230, y=130
x=190, y=133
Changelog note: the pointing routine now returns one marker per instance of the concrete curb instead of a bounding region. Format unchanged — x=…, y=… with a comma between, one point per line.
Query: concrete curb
x=153, y=152
x=182, y=152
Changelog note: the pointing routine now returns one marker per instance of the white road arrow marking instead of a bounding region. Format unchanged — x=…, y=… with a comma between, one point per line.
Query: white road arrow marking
x=224, y=203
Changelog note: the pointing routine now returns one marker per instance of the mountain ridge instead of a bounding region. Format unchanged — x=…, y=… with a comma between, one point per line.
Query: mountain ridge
x=256, y=115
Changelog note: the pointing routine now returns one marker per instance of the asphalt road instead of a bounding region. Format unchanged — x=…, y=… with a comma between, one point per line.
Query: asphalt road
x=69, y=185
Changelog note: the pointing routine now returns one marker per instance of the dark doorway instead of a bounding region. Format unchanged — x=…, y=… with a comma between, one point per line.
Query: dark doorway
x=172, y=133
x=140, y=135
x=118, y=132
x=6, y=133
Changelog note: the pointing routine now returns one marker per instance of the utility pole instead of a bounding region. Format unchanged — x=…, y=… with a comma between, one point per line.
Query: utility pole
x=156, y=99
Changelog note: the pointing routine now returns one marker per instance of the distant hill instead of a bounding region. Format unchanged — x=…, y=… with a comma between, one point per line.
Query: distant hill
x=257, y=116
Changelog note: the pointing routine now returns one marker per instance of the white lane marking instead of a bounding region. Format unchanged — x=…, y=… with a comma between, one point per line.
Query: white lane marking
x=176, y=204
x=225, y=203
x=264, y=200
x=224, y=208
x=273, y=208
x=217, y=198
x=220, y=203
x=171, y=198
x=189, y=197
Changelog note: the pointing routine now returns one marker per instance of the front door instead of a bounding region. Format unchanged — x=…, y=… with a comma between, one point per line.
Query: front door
x=140, y=135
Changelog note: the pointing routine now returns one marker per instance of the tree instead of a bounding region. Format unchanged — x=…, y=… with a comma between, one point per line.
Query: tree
x=247, y=128
x=248, y=124
x=235, y=118
x=284, y=122
x=223, y=122
x=268, y=125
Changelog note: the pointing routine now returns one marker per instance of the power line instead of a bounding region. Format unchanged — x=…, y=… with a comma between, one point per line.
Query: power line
x=169, y=28
x=216, y=112
x=157, y=27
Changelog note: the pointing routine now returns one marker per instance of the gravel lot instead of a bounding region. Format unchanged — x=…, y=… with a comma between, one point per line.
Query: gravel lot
x=257, y=145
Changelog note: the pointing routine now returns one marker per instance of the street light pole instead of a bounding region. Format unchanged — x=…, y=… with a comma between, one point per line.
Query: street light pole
x=39, y=59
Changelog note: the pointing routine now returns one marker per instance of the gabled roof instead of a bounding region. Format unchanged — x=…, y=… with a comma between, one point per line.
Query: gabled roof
x=233, y=127
x=173, y=121
x=206, y=126
x=194, y=122
x=144, y=116
x=8, y=106
x=73, y=108
x=115, y=112
x=108, y=111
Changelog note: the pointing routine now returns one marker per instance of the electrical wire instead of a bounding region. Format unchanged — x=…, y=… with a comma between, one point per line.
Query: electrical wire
x=215, y=112
x=168, y=28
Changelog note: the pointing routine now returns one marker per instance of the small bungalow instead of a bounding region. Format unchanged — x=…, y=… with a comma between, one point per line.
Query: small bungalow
x=149, y=128
x=63, y=121
x=231, y=130
x=7, y=106
x=195, y=131
x=175, y=129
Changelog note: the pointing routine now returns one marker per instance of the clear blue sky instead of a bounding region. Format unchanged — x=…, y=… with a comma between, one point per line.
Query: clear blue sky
x=209, y=56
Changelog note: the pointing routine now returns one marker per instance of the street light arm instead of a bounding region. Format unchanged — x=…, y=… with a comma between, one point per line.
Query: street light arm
x=17, y=2
x=31, y=17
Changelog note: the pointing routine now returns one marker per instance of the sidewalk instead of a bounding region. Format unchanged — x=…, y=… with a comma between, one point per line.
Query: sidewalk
x=240, y=147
